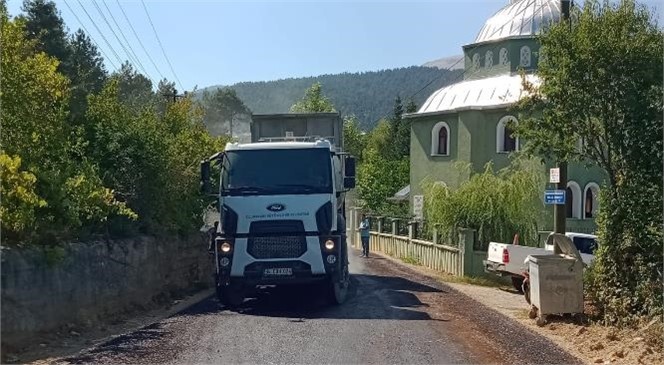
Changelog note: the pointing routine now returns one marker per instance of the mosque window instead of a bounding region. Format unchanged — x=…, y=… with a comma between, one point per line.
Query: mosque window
x=525, y=56
x=476, y=61
x=573, y=200
x=488, y=59
x=505, y=139
x=590, y=204
x=503, y=57
x=440, y=140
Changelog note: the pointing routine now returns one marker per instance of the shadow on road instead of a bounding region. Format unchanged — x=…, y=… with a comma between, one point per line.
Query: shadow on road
x=369, y=297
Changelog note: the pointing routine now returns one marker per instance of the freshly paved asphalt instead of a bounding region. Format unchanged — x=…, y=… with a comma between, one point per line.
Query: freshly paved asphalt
x=394, y=315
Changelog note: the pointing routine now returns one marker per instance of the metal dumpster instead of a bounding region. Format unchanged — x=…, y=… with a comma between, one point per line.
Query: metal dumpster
x=556, y=281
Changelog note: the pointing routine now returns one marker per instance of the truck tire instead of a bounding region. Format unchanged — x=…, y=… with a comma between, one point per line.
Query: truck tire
x=231, y=296
x=338, y=290
x=517, y=282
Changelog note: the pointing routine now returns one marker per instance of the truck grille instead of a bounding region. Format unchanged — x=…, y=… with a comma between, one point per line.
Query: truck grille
x=276, y=239
x=277, y=247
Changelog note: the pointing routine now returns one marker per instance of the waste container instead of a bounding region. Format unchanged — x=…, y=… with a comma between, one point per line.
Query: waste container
x=556, y=281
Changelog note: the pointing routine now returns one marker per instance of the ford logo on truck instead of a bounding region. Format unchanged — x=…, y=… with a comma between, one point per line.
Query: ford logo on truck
x=276, y=207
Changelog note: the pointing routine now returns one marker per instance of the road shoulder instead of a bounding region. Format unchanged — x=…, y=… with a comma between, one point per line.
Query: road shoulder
x=591, y=343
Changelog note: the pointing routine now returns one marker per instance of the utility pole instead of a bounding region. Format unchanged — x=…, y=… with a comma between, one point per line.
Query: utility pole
x=174, y=94
x=559, y=210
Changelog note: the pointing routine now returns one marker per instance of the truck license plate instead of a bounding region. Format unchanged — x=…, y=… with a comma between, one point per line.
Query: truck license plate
x=280, y=271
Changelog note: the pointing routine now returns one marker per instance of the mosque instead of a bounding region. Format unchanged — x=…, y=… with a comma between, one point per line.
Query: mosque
x=467, y=121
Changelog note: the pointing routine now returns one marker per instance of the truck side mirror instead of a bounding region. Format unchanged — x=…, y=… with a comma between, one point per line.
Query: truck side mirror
x=349, y=167
x=349, y=182
x=205, y=176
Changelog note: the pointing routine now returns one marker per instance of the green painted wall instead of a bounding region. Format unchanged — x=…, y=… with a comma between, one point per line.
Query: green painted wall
x=513, y=47
x=474, y=140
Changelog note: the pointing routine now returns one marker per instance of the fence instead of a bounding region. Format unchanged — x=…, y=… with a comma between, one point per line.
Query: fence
x=417, y=243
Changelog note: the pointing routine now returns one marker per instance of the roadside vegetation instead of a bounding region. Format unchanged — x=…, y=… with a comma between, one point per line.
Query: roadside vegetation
x=608, y=94
x=497, y=204
x=85, y=152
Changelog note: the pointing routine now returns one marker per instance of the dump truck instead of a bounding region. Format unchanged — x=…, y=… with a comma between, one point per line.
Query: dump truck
x=281, y=201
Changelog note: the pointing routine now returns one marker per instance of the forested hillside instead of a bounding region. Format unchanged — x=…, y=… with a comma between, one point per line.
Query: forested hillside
x=367, y=95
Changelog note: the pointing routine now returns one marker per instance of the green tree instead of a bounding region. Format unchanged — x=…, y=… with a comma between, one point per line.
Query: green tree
x=135, y=89
x=313, y=101
x=34, y=99
x=608, y=94
x=355, y=140
x=87, y=74
x=221, y=109
x=44, y=24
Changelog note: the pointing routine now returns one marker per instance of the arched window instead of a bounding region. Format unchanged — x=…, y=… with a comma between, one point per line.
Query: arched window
x=590, y=203
x=504, y=57
x=488, y=59
x=573, y=200
x=476, y=61
x=505, y=140
x=440, y=139
x=525, y=56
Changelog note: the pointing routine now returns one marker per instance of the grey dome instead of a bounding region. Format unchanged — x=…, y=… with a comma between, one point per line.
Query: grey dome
x=520, y=18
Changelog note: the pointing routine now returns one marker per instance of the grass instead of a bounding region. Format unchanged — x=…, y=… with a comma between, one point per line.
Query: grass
x=411, y=260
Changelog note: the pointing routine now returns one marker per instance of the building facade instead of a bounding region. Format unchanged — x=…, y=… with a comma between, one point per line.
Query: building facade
x=468, y=121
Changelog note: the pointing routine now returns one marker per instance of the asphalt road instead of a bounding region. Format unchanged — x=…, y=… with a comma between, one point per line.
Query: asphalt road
x=394, y=315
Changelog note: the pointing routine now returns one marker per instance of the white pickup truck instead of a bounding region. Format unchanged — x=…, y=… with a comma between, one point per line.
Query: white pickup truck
x=505, y=259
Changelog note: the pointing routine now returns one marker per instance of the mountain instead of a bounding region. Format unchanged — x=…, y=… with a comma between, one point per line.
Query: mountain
x=368, y=95
x=452, y=63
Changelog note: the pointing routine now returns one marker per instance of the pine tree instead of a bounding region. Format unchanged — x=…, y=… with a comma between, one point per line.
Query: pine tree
x=87, y=72
x=44, y=24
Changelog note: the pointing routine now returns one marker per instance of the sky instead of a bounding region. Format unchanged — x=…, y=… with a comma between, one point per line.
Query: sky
x=220, y=42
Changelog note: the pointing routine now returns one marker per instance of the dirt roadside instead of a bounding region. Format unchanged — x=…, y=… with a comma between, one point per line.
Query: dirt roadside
x=70, y=339
x=592, y=343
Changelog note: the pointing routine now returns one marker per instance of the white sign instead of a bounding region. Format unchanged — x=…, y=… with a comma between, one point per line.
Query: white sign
x=418, y=206
x=554, y=175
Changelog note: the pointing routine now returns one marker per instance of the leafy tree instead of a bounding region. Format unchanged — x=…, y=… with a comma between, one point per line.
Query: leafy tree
x=497, y=205
x=44, y=24
x=380, y=176
x=222, y=108
x=608, y=93
x=313, y=101
x=87, y=73
x=355, y=140
x=34, y=100
x=135, y=89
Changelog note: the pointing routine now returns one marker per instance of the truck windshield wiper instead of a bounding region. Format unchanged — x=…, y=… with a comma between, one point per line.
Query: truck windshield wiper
x=304, y=187
x=245, y=189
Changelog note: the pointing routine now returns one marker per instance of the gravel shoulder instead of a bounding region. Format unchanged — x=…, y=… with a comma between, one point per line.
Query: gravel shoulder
x=591, y=343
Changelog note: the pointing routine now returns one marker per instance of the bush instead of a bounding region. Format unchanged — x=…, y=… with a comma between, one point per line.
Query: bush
x=497, y=205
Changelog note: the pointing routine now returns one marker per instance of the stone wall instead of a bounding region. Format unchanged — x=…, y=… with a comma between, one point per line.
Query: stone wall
x=87, y=283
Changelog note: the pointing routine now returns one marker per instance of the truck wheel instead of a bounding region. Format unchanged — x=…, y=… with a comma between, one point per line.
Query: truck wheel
x=338, y=290
x=517, y=282
x=231, y=296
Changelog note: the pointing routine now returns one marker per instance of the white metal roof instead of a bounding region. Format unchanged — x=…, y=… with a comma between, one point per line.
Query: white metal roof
x=488, y=93
x=277, y=145
x=520, y=18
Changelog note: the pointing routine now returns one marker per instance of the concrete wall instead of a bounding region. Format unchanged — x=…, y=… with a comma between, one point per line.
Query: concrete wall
x=86, y=283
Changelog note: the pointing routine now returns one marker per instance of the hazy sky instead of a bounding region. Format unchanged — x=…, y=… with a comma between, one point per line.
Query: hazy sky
x=223, y=42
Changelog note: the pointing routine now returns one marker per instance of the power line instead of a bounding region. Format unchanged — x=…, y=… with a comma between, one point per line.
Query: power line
x=90, y=35
x=108, y=24
x=138, y=60
x=139, y=40
x=100, y=33
x=160, y=45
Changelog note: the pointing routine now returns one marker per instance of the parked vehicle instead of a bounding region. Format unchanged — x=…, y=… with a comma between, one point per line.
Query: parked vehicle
x=505, y=259
x=282, y=200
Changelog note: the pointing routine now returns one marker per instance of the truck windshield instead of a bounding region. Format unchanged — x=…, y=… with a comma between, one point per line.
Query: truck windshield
x=277, y=171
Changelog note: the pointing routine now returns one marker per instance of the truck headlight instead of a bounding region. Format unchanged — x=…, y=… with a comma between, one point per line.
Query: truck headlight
x=329, y=244
x=226, y=247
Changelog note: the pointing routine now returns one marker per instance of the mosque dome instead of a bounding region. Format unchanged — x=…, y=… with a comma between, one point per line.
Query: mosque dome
x=520, y=18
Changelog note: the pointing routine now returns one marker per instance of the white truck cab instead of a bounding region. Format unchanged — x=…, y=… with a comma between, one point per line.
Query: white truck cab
x=281, y=215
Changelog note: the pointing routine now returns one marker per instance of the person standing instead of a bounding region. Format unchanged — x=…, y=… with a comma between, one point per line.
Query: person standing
x=364, y=235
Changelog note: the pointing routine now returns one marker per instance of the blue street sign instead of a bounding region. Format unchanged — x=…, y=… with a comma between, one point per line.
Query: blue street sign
x=554, y=197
